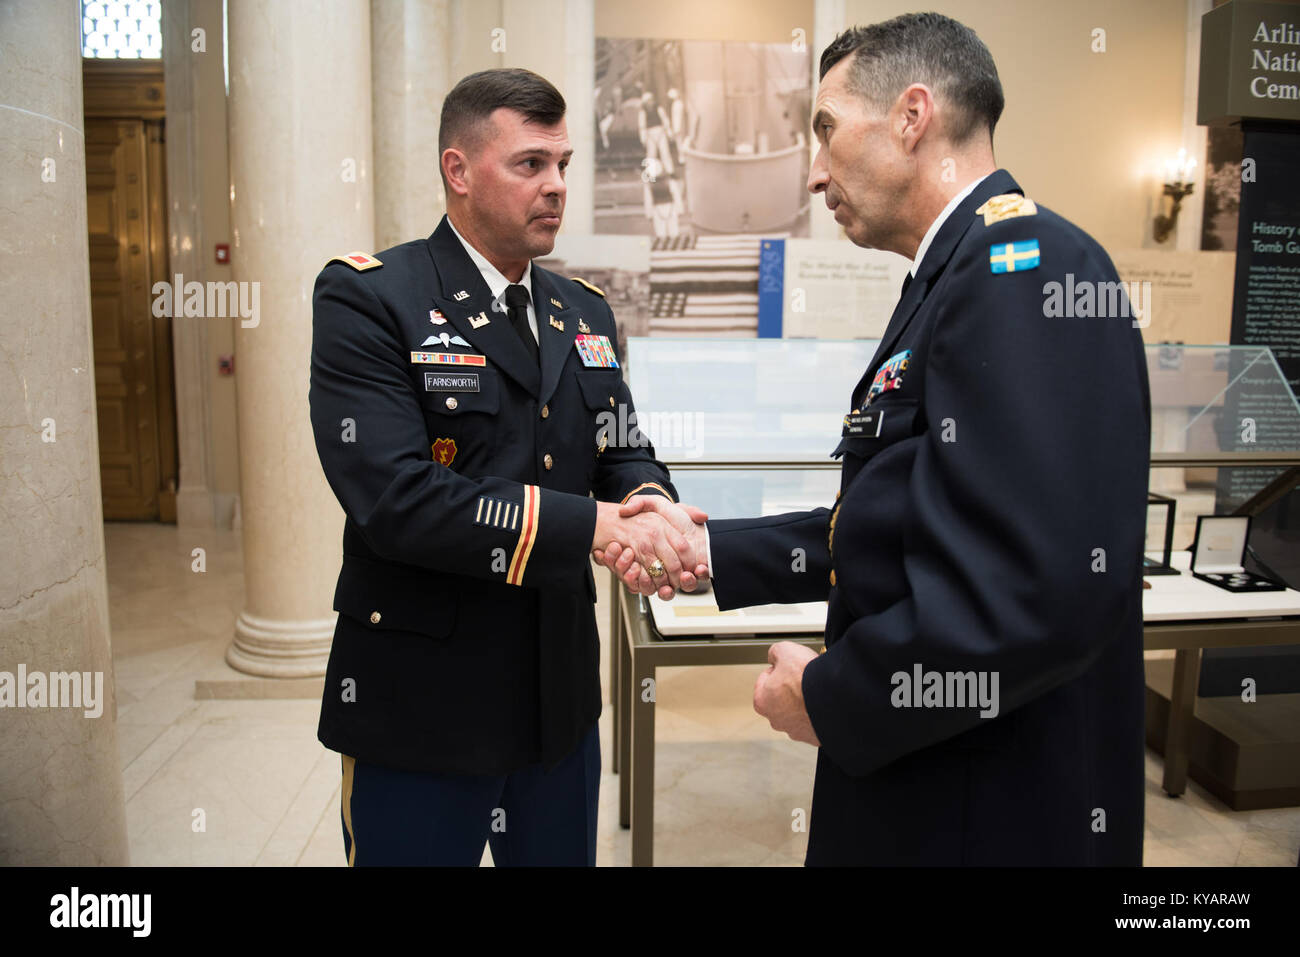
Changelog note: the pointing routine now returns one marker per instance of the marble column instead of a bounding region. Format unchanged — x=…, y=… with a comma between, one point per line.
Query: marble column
x=410, y=41
x=301, y=192
x=194, y=508
x=61, y=798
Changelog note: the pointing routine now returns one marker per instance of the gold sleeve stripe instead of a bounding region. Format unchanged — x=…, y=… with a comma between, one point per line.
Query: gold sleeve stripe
x=349, y=770
x=527, y=535
x=645, y=485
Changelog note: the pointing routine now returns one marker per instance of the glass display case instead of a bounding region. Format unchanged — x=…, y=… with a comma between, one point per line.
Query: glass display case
x=748, y=425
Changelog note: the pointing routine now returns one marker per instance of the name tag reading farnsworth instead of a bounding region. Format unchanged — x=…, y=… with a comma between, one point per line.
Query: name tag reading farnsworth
x=863, y=424
x=442, y=382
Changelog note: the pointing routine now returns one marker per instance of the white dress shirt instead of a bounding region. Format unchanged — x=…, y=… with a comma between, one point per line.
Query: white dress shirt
x=497, y=283
x=939, y=221
x=926, y=240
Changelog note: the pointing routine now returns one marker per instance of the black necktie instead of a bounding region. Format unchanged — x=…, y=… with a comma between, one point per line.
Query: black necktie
x=517, y=300
x=907, y=281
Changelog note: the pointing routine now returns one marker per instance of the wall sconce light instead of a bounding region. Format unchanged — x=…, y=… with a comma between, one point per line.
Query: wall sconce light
x=1178, y=186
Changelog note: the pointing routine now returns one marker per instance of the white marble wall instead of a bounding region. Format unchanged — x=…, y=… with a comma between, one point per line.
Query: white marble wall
x=61, y=798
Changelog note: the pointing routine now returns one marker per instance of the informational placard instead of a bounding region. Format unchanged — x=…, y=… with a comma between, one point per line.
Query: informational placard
x=835, y=290
x=1186, y=296
x=1266, y=305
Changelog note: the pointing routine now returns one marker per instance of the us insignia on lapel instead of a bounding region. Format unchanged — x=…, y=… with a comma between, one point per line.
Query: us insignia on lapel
x=460, y=295
x=556, y=303
x=1006, y=206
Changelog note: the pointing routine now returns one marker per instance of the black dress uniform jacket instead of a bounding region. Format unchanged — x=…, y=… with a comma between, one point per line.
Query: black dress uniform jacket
x=991, y=518
x=466, y=638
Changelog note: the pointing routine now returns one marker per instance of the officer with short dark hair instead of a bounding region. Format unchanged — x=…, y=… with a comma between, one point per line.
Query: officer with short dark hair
x=457, y=391
x=980, y=699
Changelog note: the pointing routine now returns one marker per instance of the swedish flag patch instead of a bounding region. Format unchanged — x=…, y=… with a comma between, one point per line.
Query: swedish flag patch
x=1014, y=257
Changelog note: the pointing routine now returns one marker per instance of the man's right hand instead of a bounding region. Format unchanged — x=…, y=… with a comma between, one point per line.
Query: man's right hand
x=686, y=521
x=642, y=536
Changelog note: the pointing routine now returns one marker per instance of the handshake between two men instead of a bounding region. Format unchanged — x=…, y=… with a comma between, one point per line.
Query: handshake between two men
x=656, y=546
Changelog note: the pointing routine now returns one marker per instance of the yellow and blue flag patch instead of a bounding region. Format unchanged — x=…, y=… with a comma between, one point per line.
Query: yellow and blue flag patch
x=1014, y=257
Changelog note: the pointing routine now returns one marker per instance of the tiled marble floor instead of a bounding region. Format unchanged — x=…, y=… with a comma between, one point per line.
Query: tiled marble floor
x=268, y=792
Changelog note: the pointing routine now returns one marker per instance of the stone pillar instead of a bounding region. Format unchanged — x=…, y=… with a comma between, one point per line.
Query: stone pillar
x=409, y=45
x=301, y=192
x=194, y=507
x=61, y=798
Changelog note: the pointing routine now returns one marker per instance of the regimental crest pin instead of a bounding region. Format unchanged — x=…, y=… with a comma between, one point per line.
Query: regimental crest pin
x=460, y=295
x=582, y=325
x=479, y=321
x=436, y=317
x=557, y=323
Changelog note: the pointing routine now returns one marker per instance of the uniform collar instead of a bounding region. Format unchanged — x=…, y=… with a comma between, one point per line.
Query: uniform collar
x=496, y=282
x=939, y=221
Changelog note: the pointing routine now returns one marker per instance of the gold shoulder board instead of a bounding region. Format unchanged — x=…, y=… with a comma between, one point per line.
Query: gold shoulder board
x=1006, y=206
x=582, y=282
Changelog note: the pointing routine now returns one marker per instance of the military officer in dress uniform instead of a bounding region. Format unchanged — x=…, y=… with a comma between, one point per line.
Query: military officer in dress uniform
x=457, y=391
x=980, y=697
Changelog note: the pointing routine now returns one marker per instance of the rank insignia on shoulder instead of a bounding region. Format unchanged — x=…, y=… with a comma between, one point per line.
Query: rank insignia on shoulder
x=556, y=303
x=582, y=325
x=582, y=282
x=359, y=261
x=1014, y=257
x=1006, y=206
x=444, y=451
x=557, y=323
x=596, y=352
x=888, y=378
x=497, y=513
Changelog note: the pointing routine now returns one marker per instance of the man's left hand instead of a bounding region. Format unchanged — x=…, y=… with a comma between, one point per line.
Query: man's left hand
x=778, y=692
